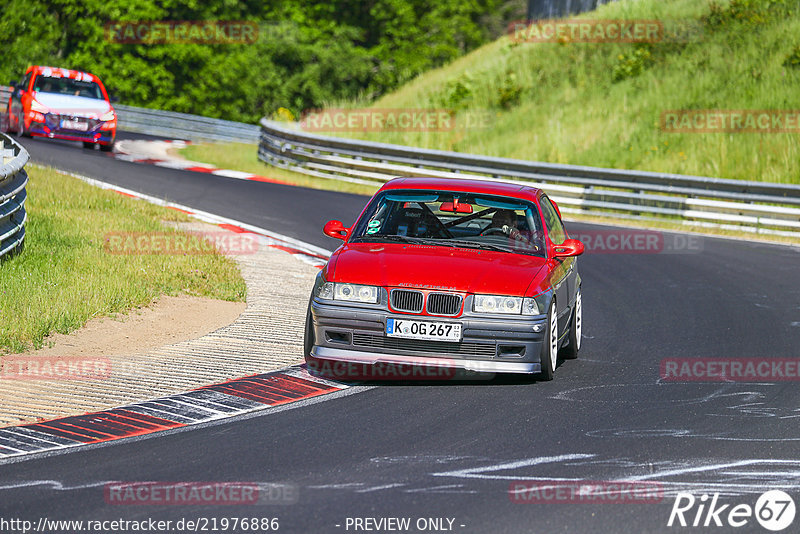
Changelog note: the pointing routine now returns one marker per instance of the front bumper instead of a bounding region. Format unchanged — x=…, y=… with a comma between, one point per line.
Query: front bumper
x=356, y=334
x=328, y=354
x=97, y=131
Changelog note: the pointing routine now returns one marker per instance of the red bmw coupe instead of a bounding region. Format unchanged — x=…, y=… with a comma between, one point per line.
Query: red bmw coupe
x=461, y=274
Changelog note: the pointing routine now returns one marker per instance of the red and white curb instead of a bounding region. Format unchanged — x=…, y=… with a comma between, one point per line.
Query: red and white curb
x=157, y=153
x=201, y=405
x=208, y=403
x=301, y=250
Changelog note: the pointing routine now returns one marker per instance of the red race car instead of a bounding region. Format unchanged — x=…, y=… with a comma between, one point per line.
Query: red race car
x=471, y=275
x=62, y=104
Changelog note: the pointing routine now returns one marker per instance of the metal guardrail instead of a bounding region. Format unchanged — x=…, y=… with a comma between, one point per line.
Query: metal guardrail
x=760, y=207
x=13, y=180
x=183, y=125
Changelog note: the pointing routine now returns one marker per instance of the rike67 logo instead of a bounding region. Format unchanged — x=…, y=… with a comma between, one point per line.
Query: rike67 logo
x=774, y=510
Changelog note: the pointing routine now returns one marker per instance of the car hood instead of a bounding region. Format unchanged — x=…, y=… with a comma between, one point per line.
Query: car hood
x=78, y=106
x=434, y=267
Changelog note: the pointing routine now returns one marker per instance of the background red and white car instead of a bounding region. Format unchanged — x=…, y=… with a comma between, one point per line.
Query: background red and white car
x=62, y=104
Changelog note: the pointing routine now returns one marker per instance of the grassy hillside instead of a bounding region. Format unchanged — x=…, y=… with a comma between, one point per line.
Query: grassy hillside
x=600, y=104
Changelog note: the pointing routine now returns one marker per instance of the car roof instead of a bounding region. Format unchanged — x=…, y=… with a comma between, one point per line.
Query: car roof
x=465, y=185
x=58, y=72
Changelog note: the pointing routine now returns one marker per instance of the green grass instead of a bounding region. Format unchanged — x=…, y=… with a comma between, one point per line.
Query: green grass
x=65, y=277
x=600, y=104
x=244, y=157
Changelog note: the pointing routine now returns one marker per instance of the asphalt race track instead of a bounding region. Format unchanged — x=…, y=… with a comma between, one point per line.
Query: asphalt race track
x=452, y=450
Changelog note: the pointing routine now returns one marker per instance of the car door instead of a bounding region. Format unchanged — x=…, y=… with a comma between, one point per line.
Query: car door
x=15, y=105
x=563, y=272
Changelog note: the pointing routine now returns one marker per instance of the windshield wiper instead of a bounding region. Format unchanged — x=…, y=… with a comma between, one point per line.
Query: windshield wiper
x=439, y=242
x=394, y=237
x=408, y=239
x=473, y=244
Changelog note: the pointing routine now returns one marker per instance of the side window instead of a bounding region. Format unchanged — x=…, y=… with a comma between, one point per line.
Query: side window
x=555, y=228
x=23, y=84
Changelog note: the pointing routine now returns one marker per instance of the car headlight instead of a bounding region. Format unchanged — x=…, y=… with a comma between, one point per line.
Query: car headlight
x=506, y=305
x=348, y=292
x=497, y=304
x=531, y=306
x=325, y=291
x=36, y=106
x=108, y=116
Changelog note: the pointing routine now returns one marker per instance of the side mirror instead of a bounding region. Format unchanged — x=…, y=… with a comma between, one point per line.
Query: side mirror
x=336, y=230
x=568, y=249
x=113, y=98
x=13, y=84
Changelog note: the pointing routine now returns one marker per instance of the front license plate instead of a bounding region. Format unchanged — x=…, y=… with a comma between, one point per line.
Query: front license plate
x=74, y=125
x=430, y=330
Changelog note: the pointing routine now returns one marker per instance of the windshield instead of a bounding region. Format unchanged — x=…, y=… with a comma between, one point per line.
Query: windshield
x=454, y=219
x=67, y=86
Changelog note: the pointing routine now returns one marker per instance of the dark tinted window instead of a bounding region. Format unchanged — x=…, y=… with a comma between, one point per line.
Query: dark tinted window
x=23, y=83
x=67, y=86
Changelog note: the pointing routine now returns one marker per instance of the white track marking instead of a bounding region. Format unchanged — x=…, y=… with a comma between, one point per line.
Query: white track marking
x=379, y=488
x=232, y=174
x=347, y=485
x=477, y=472
x=448, y=488
x=55, y=485
x=714, y=467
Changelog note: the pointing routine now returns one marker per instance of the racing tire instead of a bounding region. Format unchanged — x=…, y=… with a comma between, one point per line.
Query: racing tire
x=21, y=126
x=549, y=353
x=570, y=352
x=107, y=148
x=88, y=145
x=308, y=337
